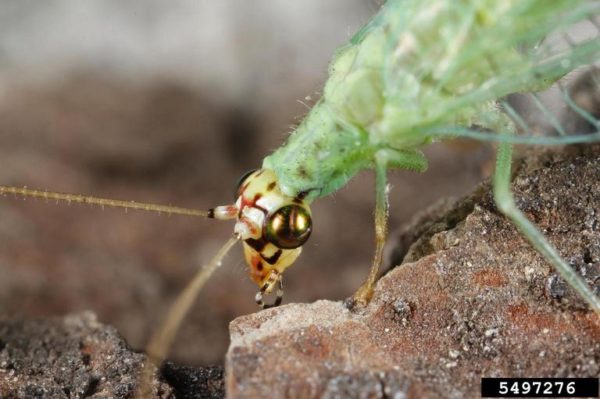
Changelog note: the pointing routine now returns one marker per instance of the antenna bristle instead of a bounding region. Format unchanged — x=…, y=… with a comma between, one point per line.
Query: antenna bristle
x=25, y=192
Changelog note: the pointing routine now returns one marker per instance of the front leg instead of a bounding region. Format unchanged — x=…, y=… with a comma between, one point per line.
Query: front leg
x=384, y=159
x=365, y=292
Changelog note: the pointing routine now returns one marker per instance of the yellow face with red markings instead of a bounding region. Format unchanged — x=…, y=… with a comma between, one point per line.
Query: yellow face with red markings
x=272, y=226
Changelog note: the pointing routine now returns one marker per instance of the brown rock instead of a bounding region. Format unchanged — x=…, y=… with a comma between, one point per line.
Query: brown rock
x=477, y=302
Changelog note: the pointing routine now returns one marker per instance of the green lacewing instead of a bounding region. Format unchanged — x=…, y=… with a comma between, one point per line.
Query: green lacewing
x=416, y=73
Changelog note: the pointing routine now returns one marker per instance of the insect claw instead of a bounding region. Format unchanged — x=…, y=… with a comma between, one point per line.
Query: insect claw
x=360, y=299
x=350, y=303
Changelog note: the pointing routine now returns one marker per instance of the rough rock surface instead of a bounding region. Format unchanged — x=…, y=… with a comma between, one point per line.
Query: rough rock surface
x=472, y=299
x=77, y=357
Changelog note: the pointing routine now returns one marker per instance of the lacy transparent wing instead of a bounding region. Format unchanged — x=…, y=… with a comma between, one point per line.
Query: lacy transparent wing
x=535, y=62
x=567, y=113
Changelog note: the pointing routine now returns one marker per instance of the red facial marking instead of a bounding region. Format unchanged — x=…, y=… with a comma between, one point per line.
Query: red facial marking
x=251, y=227
x=257, y=271
x=231, y=210
x=251, y=202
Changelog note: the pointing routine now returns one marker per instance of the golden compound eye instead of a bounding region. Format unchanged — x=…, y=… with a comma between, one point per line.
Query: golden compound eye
x=241, y=182
x=289, y=227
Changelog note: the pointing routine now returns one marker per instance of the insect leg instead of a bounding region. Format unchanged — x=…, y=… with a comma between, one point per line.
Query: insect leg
x=364, y=293
x=506, y=203
x=162, y=339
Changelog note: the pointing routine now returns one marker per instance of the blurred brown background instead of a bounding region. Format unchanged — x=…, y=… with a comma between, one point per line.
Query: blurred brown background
x=170, y=102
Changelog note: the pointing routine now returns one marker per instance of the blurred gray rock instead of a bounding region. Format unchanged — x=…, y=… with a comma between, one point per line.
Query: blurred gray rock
x=78, y=357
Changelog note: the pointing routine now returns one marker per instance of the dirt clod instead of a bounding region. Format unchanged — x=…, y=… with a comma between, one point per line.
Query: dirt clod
x=70, y=357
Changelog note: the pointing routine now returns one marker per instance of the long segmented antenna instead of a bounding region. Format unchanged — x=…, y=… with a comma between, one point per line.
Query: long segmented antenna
x=163, y=338
x=82, y=199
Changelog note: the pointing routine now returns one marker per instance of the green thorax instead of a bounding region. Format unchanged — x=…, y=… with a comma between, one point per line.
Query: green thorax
x=320, y=156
